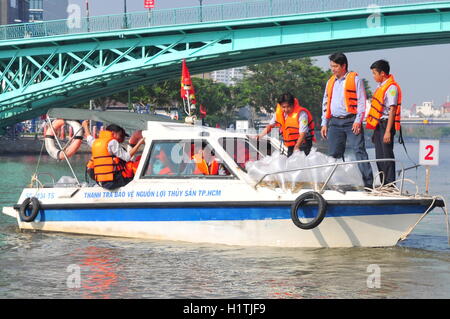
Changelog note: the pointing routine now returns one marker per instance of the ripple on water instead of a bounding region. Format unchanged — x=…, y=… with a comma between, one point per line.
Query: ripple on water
x=131, y=268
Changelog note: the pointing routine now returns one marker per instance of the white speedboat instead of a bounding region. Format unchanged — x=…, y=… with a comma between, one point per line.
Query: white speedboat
x=180, y=204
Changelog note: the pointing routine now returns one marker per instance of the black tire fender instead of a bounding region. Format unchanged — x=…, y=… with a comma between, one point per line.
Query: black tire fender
x=300, y=201
x=25, y=206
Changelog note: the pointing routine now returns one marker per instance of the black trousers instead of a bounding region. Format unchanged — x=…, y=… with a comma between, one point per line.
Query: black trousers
x=383, y=150
x=305, y=147
x=118, y=181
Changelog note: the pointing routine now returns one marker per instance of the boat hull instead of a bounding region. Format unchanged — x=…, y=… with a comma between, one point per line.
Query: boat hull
x=345, y=225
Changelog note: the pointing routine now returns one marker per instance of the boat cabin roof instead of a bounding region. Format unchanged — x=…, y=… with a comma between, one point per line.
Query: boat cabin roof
x=168, y=130
x=179, y=150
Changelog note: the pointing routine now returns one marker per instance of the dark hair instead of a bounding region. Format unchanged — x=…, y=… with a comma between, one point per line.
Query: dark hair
x=116, y=128
x=286, y=97
x=339, y=58
x=381, y=65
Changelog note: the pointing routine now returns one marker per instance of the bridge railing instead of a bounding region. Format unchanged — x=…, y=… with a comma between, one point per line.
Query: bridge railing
x=189, y=15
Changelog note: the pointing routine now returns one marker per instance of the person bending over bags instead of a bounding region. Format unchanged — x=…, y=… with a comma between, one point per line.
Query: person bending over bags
x=295, y=122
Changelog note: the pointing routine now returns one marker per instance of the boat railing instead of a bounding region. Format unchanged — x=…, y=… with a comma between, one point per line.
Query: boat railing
x=335, y=166
x=37, y=183
x=38, y=175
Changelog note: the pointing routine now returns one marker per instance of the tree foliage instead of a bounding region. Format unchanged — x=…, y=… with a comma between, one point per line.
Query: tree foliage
x=260, y=89
x=266, y=82
x=217, y=98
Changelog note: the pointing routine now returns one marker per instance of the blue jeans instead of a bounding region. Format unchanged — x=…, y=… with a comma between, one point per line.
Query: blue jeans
x=339, y=132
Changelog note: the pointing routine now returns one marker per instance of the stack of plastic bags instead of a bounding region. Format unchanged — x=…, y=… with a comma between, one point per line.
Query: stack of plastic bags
x=296, y=175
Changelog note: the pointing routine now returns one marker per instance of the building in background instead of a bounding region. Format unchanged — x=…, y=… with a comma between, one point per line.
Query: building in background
x=229, y=76
x=44, y=10
x=427, y=110
x=14, y=11
x=446, y=108
x=204, y=76
x=36, y=11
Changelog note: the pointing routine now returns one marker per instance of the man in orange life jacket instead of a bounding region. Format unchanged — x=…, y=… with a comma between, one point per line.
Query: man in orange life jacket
x=295, y=122
x=344, y=103
x=205, y=160
x=109, y=165
x=384, y=117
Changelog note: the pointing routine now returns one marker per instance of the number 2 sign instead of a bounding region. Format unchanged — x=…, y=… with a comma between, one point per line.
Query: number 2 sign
x=429, y=152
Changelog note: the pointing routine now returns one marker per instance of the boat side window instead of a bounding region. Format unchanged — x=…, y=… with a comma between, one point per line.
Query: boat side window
x=242, y=151
x=184, y=159
x=263, y=146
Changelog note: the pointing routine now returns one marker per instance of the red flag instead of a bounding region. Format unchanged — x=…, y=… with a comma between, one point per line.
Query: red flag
x=202, y=111
x=149, y=4
x=186, y=84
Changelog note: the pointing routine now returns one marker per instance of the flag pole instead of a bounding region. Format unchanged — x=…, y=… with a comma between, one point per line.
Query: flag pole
x=184, y=107
x=188, y=102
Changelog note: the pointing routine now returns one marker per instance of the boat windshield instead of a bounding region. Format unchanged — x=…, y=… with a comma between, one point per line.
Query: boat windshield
x=243, y=150
x=184, y=159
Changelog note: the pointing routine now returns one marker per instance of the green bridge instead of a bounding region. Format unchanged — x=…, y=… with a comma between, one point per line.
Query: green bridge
x=65, y=62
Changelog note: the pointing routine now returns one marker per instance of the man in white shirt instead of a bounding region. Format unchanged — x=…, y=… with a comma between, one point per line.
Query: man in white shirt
x=343, y=111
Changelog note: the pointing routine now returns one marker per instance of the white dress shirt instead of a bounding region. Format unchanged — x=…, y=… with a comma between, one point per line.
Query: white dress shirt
x=114, y=148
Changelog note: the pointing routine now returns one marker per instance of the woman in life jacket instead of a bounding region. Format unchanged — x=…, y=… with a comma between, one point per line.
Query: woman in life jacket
x=162, y=165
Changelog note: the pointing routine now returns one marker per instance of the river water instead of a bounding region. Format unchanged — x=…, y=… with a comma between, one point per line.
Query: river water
x=41, y=265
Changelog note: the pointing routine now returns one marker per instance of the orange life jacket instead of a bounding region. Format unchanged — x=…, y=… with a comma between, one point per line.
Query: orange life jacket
x=201, y=167
x=90, y=164
x=104, y=164
x=289, y=124
x=350, y=96
x=377, y=106
x=133, y=166
x=165, y=171
x=130, y=169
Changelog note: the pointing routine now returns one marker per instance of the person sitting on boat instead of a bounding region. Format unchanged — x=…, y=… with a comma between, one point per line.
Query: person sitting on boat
x=161, y=164
x=110, y=165
x=203, y=161
x=295, y=122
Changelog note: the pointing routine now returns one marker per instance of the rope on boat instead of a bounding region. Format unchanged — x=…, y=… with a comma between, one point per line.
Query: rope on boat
x=62, y=150
x=71, y=139
x=403, y=237
x=391, y=189
x=406, y=234
x=445, y=210
x=34, y=177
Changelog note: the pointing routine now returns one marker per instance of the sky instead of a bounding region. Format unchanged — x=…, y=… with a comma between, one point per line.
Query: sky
x=422, y=72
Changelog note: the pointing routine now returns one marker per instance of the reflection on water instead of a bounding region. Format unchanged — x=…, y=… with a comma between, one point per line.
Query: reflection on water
x=100, y=268
x=35, y=265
